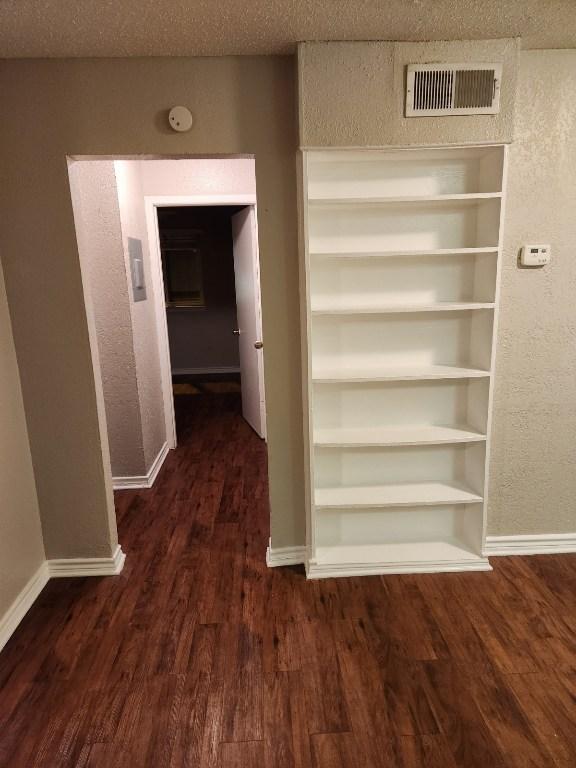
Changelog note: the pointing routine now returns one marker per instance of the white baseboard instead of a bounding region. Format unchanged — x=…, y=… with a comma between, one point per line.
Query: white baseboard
x=216, y=369
x=284, y=556
x=142, y=481
x=51, y=569
x=87, y=566
x=21, y=605
x=531, y=544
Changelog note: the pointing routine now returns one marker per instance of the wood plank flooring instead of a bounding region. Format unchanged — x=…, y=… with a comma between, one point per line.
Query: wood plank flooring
x=198, y=655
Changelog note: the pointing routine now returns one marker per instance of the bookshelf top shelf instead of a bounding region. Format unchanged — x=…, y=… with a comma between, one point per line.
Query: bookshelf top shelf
x=446, y=173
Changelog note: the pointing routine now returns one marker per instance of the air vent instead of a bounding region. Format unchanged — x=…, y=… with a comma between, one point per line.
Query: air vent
x=456, y=89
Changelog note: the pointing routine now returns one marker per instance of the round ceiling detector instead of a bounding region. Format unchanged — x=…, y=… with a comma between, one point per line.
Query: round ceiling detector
x=180, y=119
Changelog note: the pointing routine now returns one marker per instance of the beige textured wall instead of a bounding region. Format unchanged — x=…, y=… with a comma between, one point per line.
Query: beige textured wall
x=146, y=351
x=21, y=548
x=352, y=94
x=246, y=106
x=118, y=107
x=98, y=229
x=51, y=332
x=532, y=472
x=201, y=176
x=532, y=480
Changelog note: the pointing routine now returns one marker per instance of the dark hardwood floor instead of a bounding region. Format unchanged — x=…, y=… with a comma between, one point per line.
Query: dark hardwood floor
x=198, y=655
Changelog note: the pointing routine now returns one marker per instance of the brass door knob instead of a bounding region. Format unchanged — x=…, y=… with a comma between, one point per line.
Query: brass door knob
x=258, y=345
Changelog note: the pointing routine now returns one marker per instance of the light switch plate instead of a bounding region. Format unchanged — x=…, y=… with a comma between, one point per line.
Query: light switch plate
x=137, y=269
x=534, y=255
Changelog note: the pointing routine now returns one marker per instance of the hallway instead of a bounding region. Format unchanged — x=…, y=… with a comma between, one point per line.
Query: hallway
x=198, y=655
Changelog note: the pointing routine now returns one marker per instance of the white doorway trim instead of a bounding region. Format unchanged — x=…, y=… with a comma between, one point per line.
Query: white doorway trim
x=152, y=202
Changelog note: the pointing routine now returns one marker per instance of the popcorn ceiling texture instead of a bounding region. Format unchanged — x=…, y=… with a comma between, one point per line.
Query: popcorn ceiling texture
x=352, y=94
x=79, y=28
x=532, y=469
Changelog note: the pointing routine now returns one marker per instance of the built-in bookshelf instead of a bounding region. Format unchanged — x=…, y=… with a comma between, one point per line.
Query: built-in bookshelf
x=401, y=266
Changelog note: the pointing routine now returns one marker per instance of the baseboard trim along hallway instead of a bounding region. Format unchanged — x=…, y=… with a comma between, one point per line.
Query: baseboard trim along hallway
x=284, y=556
x=54, y=569
x=496, y=546
x=22, y=604
x=131, y=482
x=87, y=566
x=531, y=544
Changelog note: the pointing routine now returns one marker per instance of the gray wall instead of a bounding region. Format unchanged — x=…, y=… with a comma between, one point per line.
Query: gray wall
x=246, y=105
x=532, y=472
x=352, y=94
x=97, y=217
x=108, y=204
x=146, y=351
x=242, y=106
x=346, y=90
x=21, y=548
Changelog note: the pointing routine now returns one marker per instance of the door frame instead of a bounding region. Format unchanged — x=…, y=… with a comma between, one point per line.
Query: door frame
x=151, y=204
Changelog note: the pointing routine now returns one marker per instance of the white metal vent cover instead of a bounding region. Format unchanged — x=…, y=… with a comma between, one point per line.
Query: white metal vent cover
x=453, y=89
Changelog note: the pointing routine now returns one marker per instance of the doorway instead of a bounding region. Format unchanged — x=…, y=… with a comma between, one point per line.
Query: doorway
x=137, y=273
x=208, y=264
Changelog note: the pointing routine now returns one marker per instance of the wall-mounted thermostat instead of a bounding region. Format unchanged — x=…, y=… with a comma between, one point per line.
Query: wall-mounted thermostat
x=534, y=255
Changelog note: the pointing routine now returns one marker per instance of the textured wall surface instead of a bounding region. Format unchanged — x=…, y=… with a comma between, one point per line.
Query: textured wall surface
x=208, y=28
x=146, y=352
x=97, y=219
x=21, y=548
x=201, y=176
x=532, y=481
x=242, y=106
x=245, y=106
x=532, y=476
x=352, y=94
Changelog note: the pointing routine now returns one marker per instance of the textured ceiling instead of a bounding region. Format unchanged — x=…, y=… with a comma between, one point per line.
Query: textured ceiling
x=32, y=28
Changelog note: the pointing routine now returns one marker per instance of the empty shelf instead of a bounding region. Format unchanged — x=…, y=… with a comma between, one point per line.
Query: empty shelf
x=384, y=200
x=336, y=375
x=400, y=557
x=407, y=494
x=338, y=307
x=336, y=437
x=347, y=254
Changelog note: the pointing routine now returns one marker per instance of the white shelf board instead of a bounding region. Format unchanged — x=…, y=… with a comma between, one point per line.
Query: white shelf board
x=346, y=254
x=336, y=437
x=401, y=495
x=336, y=375
x=400, y=557
x=328, y=202
x=334, y=306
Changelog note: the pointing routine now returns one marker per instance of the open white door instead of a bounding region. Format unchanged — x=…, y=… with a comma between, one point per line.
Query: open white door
x=247, y=274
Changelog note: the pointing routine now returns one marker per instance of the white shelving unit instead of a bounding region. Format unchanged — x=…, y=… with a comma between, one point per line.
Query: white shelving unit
x=401, y=276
